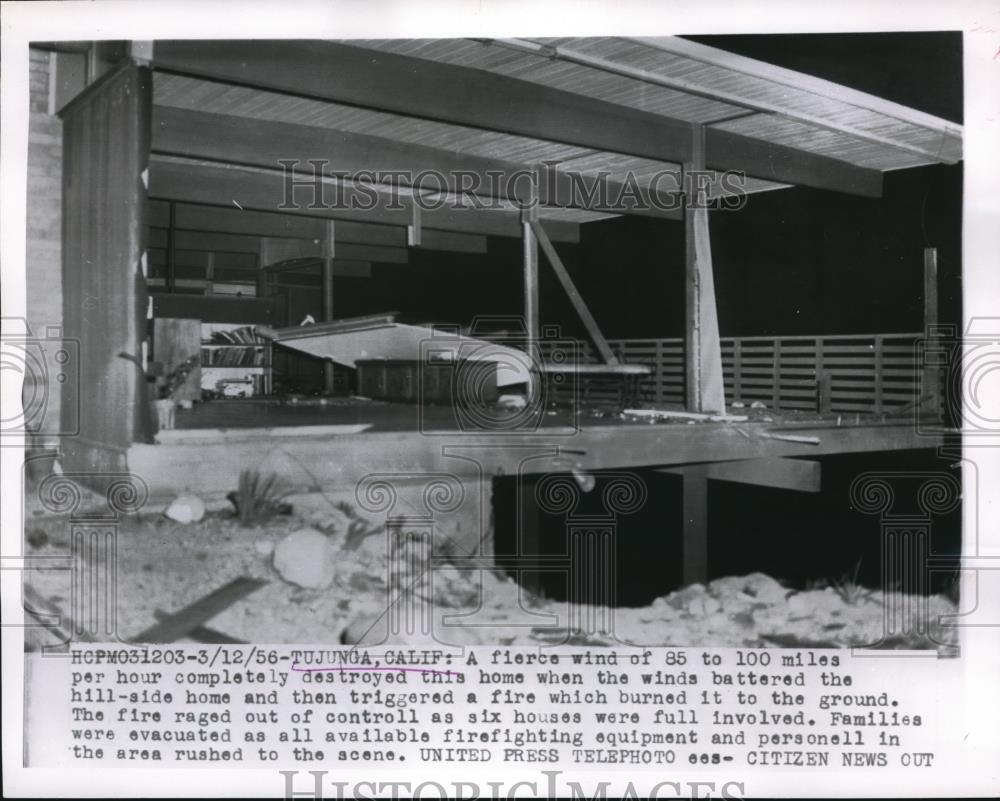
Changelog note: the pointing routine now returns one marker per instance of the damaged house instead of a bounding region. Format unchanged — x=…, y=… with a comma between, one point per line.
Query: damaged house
x=488, y=340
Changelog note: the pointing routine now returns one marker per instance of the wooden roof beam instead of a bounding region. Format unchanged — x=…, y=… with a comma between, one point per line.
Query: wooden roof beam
x=243, y=188
x=263, y=143
x=218, y=220
x=681, y=84
x=353, y=233
x=481, y=99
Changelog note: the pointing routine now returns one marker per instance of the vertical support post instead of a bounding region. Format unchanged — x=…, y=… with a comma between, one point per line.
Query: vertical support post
x=93, y=67
x=528, y=532
x=659, y=375
x=414, y=229
x=209, y=271
x=103, y=241
x=879, y=362
x=737, y=369
x=171, y=247
x=694, y=522
x=824, y=392
x=327, y=299
x=695, y=537
x=705, y=391
x=776, y=375
x=931, y=383
x=262, y=288
x=530, y=245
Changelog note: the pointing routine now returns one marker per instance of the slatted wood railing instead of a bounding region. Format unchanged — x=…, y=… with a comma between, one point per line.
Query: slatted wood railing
x=871, y=373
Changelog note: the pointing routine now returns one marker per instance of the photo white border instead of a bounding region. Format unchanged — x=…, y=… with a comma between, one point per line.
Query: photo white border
x=975, y=717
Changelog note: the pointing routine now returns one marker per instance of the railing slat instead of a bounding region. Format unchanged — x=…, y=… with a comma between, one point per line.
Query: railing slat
x=845, y=373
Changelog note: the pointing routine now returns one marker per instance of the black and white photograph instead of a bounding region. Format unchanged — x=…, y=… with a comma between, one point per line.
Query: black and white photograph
x=469, y=362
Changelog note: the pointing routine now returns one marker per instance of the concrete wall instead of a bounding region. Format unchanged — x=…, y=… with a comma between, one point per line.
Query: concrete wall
x=44, y=235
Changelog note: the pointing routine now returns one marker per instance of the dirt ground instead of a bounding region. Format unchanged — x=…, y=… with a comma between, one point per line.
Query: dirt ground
x=163, y=566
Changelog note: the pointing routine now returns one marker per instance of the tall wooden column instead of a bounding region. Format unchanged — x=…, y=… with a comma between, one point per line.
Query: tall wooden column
x=530, y=242
x=705, y=391
x=106, y=136
x=327, y=299
x=931, y=379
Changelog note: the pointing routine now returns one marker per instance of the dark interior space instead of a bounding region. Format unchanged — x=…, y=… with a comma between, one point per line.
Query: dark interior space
x=795, y=261
x=798, y=261
x=801, y=539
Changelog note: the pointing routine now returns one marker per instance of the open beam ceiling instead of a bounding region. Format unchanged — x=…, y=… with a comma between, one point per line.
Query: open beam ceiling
x=263, y=143
x=480, y=99
x=241, y=188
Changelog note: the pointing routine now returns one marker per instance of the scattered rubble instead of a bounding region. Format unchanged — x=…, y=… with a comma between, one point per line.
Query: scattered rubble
x=318, y=588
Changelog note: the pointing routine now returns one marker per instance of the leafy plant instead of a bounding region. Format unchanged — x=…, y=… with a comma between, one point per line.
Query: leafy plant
x=258, y=497
x=346, y=510
x=357, y=532
x=847, y=587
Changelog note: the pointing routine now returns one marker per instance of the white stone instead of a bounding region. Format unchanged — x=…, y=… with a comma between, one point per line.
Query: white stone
x=306, y=558
x=754, y=587
x=764, y=588
x=186, y=509
x=512, y=401
x=682, y=598
x=264, y=547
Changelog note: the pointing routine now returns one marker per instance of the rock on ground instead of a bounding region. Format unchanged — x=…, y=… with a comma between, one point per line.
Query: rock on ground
x=186, y=509
x=306, y=558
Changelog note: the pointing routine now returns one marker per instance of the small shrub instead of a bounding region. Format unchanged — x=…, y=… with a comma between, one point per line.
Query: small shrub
x=258, y=498
x=346, y=510
x=357, y=532
x=847, y=587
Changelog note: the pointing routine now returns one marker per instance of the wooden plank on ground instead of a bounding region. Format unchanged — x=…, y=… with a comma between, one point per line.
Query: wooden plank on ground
x=708, y=418
x=181, y=624
x=204, y=634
